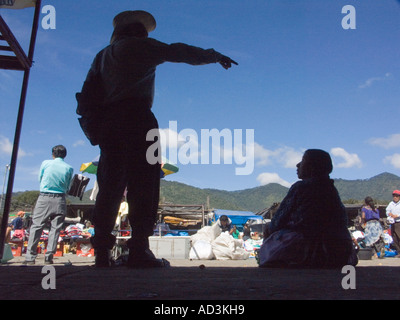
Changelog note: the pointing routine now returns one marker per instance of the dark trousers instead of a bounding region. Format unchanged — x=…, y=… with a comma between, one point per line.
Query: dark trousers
x=395, y=230
x=123, y=164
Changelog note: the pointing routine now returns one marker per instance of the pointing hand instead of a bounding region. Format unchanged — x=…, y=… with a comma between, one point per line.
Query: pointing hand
x=226, y=62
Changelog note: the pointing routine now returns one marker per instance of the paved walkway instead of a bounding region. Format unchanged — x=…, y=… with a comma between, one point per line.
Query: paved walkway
x=211, y=280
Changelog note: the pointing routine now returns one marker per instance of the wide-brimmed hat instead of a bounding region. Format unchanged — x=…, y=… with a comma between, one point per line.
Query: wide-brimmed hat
x=125, y=18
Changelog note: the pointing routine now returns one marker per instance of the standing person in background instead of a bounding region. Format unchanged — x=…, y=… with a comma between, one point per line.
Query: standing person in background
x=393, y=214
x=55, y=178
x=373, y=229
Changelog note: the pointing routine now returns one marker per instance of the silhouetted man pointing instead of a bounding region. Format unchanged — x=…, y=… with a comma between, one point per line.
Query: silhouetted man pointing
x=126, y=69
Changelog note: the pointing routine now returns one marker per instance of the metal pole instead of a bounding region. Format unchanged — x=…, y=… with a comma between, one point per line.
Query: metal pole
x=18, y=127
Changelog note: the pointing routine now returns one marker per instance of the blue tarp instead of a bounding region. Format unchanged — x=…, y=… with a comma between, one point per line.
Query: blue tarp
x=238, y=218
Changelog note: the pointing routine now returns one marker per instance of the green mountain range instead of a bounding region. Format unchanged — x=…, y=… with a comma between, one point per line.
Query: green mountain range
x=256, y=199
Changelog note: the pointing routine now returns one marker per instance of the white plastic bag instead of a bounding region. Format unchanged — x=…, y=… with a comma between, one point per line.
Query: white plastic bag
x=225, y=247
x=207, y=233
x=201, y=250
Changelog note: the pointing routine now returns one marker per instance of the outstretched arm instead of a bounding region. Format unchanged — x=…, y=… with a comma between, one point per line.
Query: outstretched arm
x=180, y=52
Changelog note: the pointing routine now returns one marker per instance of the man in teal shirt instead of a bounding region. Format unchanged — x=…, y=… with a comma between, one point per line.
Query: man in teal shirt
x=55, y=178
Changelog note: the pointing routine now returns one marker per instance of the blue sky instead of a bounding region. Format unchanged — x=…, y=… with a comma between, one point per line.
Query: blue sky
x=302, y=82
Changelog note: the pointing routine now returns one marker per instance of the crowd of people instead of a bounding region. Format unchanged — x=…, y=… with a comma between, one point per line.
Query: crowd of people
x=309, y=229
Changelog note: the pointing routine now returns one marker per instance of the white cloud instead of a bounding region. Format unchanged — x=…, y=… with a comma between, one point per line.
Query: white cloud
x=171, y=139
x=285, y=156
x=221, y=146
x=79, y=143
x=394, y=160
x=263, y=156
x=370, y=81
x=183, y=144
x=392, y=141
x=290, y=157
x=267, y=178
x=221, y=143
x=350, y=160
x=6, y=148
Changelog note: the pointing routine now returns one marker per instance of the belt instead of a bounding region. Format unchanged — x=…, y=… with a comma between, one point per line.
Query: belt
x=53, y=195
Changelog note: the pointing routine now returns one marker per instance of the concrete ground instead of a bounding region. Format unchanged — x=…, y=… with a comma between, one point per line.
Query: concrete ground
x=75, y=277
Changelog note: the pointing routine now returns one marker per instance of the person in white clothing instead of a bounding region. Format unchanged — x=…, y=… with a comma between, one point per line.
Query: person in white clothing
x=393, y=214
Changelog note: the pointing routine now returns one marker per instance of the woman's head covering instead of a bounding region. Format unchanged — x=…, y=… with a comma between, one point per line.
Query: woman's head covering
x=318, y=161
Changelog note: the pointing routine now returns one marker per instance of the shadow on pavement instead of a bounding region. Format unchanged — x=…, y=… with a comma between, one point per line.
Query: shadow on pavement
x=194, y=283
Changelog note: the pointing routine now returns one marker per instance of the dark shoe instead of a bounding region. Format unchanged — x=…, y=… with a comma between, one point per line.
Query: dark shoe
x=103, y=258
x=28, y=263
x=48, y=260
x=145, y=260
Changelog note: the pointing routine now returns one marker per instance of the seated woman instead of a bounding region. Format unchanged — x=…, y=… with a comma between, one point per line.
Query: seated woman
x=15, y=228
x=310, y=227
x=373, y=229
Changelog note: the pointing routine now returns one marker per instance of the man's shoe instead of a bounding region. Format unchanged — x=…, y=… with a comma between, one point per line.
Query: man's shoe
x=48, y=260
x=148, y=264
x=28, y=263
x=145, y=260
x=103, y=258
